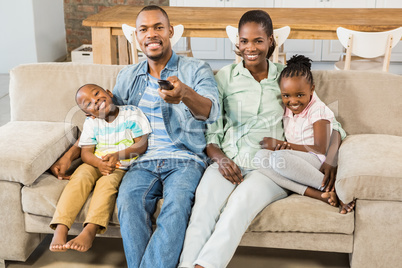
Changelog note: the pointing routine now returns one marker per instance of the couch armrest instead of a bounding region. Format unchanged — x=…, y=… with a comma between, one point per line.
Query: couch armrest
x=370, y=167
x=29, y=148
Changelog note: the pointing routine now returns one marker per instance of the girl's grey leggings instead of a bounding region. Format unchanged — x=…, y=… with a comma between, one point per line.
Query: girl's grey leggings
x=292, y=170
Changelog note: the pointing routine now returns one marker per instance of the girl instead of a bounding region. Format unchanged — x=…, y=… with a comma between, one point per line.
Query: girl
x=307, y=125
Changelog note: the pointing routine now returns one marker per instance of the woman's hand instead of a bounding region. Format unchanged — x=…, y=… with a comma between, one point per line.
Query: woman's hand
x=274, y=144
x=282, y=146
x=227, y=167
x=329, y=176
x=230, y=170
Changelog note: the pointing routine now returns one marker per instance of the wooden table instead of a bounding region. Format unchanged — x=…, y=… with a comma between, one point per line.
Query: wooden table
x=305, y=23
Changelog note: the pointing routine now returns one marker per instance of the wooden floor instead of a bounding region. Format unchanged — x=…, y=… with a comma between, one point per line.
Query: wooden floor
x=108, y=253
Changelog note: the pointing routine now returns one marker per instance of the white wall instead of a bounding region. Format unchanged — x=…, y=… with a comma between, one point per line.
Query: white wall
x=50, y=31
x=31, y=31
x=17, y=45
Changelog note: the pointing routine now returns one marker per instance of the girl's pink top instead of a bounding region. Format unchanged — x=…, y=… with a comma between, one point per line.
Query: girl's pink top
x=299, y=127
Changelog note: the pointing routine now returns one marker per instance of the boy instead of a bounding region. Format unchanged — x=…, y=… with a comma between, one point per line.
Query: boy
x=113, y=136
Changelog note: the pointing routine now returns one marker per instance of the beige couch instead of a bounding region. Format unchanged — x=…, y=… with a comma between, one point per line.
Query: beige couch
x=44, y=125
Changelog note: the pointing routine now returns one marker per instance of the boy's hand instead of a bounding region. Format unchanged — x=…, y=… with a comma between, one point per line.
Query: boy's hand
x=105, y=166
x=60, y=167
x=113, y=159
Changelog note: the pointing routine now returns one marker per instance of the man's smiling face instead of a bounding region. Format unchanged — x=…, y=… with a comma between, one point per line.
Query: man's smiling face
x=153, y=33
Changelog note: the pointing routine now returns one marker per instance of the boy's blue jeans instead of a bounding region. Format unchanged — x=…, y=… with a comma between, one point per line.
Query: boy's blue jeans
x=174, y=180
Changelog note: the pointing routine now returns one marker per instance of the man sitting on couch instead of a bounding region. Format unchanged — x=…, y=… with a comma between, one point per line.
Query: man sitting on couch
x=174, y=162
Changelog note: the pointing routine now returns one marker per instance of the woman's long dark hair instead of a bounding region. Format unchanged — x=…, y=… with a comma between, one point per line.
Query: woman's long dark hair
x=260, y=17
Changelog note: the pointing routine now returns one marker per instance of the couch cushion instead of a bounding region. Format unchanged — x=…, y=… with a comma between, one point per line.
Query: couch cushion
x=46, y=91
x=298, y=213
x=363, y=102
x=293, y=214
x=41, y=198
x=370, y=167
x=30, y=148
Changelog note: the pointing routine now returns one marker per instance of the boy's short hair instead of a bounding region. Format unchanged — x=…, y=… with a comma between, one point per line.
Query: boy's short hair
x=79, y=89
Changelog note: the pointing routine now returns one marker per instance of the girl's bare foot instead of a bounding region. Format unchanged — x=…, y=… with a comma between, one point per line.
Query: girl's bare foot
x=84, y=240
x=331, y=198
x=327, y=197
x=198, y=266
x=59, y=239
x=346, y=208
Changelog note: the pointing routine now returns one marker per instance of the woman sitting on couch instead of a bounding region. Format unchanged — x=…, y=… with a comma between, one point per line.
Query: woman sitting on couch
x=251, y=109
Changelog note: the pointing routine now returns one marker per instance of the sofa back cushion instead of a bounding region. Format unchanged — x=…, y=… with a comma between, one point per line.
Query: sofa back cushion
x=46, y=91
x=363, y=102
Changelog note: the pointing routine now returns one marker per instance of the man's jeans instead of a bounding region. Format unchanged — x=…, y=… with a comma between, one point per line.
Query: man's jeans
x=174, y=180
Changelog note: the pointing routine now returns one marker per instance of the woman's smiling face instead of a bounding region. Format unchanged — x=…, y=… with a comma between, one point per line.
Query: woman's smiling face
x=253, y=43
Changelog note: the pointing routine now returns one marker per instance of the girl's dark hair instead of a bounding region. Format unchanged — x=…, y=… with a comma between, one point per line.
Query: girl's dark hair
x=298, y=65
x=261, y=17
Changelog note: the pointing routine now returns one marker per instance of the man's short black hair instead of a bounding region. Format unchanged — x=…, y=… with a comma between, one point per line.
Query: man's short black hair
x=154, y=7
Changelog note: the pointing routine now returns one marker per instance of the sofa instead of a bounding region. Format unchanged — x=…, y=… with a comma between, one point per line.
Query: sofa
x=45, y=122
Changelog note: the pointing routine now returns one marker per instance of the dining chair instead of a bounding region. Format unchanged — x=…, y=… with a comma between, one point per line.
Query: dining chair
x=370, y=50
x=129, y=33
x=280, y=36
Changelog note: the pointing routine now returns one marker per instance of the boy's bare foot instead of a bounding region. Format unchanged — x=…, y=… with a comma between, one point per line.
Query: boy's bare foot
x=59, y=239
x=198, y=266
x=346, y=208
x=84, y=240
x=331, y=198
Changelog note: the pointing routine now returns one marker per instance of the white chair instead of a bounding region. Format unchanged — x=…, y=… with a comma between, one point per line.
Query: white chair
x=233, y=35
x=280, y=36
x=371, y=50
x=129, y=33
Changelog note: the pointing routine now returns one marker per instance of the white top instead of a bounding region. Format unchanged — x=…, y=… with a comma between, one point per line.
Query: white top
x=115, y=136
x=299, y=127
